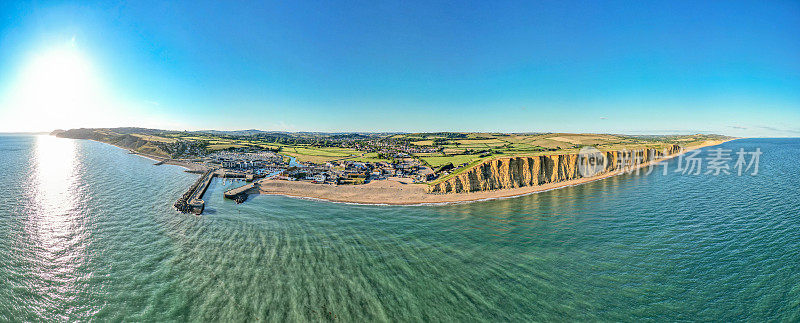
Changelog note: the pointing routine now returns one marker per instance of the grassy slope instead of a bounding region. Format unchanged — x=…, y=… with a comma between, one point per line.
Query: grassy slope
x=555, y=141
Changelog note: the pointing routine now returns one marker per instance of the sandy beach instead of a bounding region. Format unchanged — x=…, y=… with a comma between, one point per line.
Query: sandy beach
x=401, y=191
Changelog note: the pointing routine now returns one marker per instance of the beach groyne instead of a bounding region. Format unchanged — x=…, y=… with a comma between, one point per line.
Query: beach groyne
x=516, y=172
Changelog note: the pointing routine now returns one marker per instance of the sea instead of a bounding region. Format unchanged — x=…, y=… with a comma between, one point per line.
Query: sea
x=88, y=233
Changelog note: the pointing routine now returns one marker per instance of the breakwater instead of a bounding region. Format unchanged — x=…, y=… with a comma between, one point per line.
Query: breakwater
x=239, y=194
x=192, y=200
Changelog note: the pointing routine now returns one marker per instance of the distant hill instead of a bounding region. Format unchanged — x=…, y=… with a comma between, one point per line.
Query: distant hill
x=248, y=132
x=134, y=139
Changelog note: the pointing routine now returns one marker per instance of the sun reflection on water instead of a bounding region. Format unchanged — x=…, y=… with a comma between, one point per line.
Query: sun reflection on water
x=54, y=164
x=55, y=226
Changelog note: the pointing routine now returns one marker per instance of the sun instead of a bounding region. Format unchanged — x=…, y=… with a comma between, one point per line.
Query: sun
x=58, y=78
x=58, y=88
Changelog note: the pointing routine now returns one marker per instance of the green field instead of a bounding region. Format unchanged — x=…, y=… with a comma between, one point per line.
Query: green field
x=367, y=158
x=436, y=161
x=319, y=154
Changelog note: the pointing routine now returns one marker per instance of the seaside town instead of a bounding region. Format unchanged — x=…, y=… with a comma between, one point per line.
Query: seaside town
x=401, y=168
x=267, y=164
x=243, y=163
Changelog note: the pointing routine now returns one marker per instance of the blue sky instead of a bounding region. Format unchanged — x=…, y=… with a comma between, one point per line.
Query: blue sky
x=730, y=67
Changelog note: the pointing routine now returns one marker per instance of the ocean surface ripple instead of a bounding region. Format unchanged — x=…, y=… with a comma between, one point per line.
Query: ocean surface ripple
x=87, y=232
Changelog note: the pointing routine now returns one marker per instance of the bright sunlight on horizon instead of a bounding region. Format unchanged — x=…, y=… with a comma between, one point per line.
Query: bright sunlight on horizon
x=58, y=88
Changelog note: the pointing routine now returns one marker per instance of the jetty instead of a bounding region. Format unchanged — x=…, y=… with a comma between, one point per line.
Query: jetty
x=239, y=194
x=192, y=200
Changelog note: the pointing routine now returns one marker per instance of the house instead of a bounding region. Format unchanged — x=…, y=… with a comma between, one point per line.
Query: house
x=319, y=178
x=359, y=166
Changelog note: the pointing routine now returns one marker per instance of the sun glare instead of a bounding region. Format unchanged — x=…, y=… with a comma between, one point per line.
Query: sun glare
x=59, y=88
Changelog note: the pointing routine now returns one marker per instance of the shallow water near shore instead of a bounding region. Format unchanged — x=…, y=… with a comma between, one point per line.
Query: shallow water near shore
x=87, y=232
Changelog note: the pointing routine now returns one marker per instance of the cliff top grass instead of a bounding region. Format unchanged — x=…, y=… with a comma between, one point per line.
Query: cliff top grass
x=557, y=144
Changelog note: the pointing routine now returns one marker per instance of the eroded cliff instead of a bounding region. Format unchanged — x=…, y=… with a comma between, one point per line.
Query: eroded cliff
x=513, y=172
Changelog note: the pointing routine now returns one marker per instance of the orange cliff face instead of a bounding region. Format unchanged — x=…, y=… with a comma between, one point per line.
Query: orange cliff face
x=514, y=172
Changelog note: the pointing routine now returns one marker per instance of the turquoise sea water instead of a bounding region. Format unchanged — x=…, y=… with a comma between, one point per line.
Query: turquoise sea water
x=87, y=232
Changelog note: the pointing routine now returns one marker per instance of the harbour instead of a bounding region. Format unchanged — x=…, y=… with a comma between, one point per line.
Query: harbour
x=192, y=200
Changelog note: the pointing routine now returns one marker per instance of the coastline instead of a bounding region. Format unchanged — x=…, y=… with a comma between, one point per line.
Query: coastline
x=397, y=191
x=190, y=167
